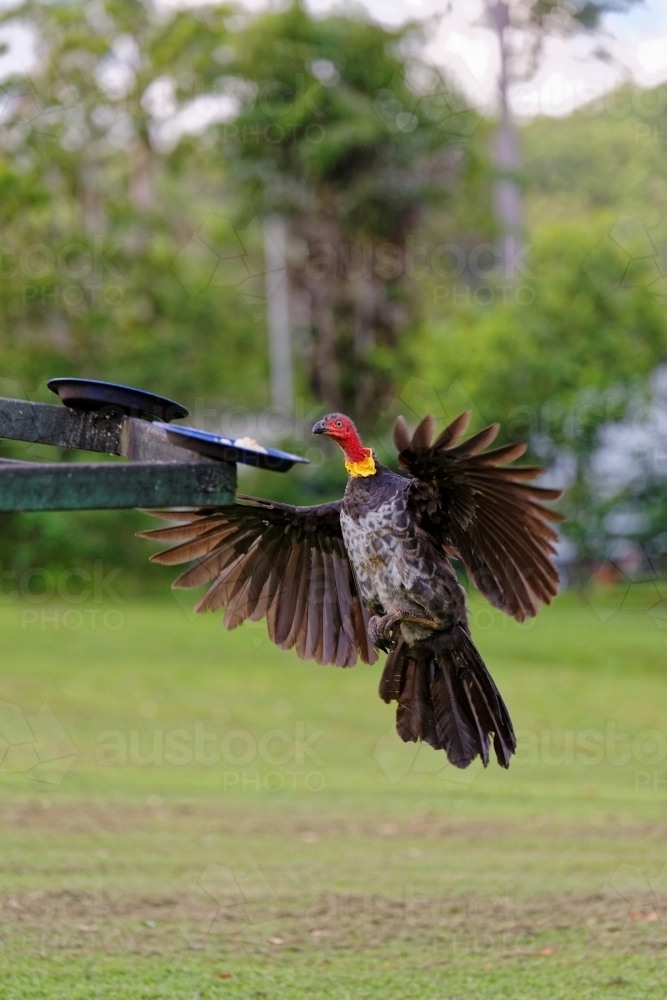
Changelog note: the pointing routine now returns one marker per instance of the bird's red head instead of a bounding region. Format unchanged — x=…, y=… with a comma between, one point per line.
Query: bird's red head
x=342, y=430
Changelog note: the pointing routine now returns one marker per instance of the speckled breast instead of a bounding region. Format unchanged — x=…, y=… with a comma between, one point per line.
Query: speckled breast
x=377, y=538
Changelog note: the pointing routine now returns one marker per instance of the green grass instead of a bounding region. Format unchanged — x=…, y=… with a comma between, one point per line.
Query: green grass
x=209, y=806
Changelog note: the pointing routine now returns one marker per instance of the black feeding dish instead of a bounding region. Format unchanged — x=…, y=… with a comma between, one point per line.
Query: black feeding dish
x=86, y=394
x=225, y=449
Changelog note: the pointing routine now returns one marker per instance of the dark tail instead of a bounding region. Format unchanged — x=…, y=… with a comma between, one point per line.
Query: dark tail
x=446, y=697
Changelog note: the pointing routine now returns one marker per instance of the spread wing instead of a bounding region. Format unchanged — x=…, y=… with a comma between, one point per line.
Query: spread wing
x=275, y=561
x=483, y=511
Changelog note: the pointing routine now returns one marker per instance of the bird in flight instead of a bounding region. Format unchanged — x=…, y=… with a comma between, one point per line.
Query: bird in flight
x=337, y=581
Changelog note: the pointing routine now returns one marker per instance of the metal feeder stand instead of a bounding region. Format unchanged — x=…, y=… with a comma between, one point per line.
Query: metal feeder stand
x=168, y=466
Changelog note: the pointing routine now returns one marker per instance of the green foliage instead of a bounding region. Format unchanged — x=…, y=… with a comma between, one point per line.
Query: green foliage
x=39, y=551
x=351, y=140
x=332, y=113
x=609, y=155
x=126, y=257
x=570, y=334
x=567, y=354
x=130, y=258
x=96, y=223
x=136, y=257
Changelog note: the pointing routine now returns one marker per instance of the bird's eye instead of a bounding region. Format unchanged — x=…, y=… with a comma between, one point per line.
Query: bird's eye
x=339, y=423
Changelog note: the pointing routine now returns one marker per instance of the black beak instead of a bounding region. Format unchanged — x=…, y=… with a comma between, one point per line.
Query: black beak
x=319, y=428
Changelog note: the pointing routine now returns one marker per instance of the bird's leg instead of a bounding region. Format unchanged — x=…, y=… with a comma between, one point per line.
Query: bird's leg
x=420, y=620
x=382, y=629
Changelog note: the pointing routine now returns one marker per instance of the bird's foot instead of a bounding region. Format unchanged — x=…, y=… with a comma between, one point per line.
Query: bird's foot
x=383, y=629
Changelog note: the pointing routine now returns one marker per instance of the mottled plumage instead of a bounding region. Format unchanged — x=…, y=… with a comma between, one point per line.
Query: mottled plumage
x=337, y=579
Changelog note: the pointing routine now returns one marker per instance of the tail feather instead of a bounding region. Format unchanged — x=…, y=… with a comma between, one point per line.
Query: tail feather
x=415, y=717
x=447, y=698
x=392, y=681
x=455, y=730
x=488, y=700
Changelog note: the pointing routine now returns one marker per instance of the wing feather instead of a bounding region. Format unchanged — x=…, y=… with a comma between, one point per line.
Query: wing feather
x=313, y=642
x=287, y=564
x=475, y=443
x=347, y=637
x=331, y=622
x=421, y=439
x=453, y=433
x=486, y=511
x=282, y=609
x=297, y=635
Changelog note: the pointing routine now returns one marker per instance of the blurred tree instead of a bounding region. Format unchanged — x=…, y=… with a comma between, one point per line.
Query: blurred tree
x=569, y=353
x=349, y=135
x=95, y=215
x=609, y=155
x=521, y=27
x=99, y=213
x=336, y=123
x=141, y=155
x=128, y=252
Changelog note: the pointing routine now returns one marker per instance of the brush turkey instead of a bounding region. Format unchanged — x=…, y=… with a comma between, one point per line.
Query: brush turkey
x=339, y=580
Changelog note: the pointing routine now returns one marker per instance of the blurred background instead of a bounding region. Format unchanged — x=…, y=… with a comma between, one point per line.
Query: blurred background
x=272, y=213
x=268, y=212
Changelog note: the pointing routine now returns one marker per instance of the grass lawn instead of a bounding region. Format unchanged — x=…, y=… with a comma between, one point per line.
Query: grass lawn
x=188, y=813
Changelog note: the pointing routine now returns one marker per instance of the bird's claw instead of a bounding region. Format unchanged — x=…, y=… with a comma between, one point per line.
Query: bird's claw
x=382, y=628
x=381, y=631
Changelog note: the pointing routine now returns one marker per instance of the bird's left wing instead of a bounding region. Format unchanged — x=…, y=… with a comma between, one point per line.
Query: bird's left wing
x=484, y=510
x=276, y=561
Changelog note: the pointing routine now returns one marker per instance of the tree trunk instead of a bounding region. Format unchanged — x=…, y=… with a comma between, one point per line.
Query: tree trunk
x=353, y=313
x=278, y=313
x=141, y=176
x=507, y=193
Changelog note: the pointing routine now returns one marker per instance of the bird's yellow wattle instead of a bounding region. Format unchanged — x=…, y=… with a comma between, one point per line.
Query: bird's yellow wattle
x=364, y=468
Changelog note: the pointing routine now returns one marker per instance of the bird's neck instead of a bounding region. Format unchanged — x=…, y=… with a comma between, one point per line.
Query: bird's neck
x=359, y=461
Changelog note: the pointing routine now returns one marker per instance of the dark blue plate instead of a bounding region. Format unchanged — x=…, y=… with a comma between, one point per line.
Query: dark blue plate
x=226, y=449
x=85, y=394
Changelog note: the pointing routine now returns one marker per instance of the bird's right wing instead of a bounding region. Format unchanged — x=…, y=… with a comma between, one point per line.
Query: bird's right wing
x=276, y=561
x=484, y=510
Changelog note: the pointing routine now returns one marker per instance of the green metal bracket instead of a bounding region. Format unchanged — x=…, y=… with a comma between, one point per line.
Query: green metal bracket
x=108, y=485
x=46, y=423
x=159, y=474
